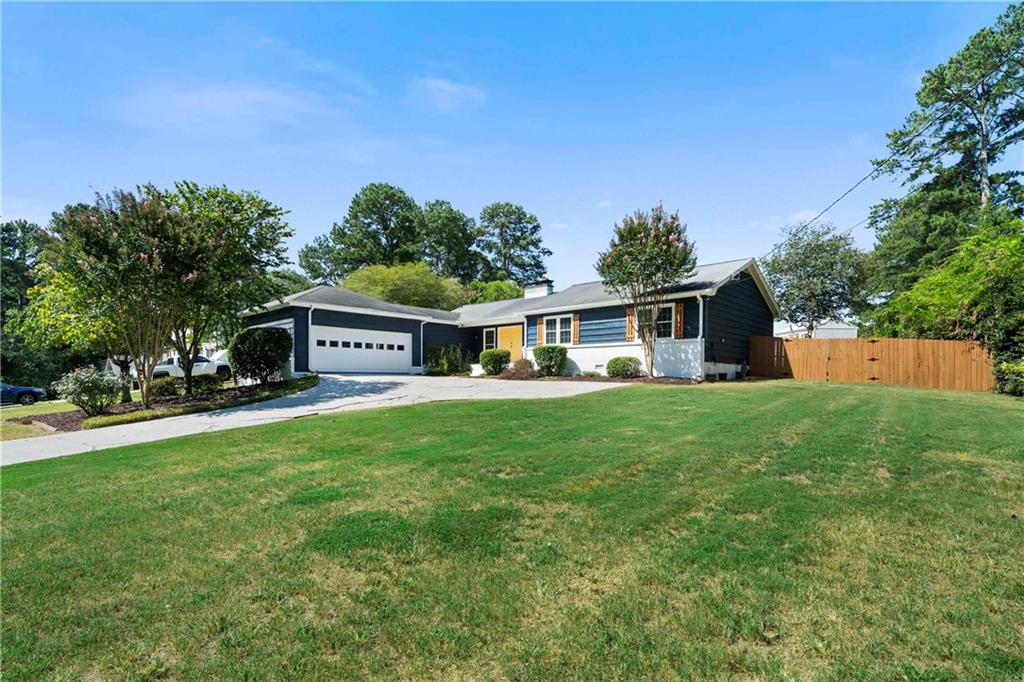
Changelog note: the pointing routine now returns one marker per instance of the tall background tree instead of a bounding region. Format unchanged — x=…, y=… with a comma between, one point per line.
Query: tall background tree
x=512, y=242
x=970, y=112
x=497, y=290
x=814, y=274
x=244, y=234
x=450, y=242
x=384, y=226
x=648, y=253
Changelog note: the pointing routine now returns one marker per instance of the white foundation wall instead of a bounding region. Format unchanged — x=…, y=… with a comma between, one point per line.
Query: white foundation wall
x=717, y=368
x=672, y=358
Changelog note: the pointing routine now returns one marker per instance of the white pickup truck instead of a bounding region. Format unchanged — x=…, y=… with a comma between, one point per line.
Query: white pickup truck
x=171, y=367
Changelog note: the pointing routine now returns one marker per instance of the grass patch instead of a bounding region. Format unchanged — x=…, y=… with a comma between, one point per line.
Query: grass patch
x=12, y=431
x=44, y=407
x=771, y=530
x=301, y=384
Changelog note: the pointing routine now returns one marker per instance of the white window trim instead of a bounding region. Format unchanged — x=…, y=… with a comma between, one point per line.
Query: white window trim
x=494, y=343
x=558, y=330
x=672, y=324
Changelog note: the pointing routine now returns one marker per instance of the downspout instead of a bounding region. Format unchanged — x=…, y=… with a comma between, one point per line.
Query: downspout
x=423, y=361
x=700, y=333
x=309, y=339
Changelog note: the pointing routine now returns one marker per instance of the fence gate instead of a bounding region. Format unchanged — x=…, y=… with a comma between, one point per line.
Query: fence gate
x=953, y=365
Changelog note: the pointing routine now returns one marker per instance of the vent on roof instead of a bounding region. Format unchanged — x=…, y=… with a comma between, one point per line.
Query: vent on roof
x=541, y=287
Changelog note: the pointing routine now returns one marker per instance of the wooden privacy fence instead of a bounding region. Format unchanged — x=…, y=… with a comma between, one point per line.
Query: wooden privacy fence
x=953, y=365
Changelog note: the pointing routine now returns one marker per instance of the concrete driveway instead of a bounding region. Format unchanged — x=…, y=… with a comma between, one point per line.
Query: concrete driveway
x=334, y=393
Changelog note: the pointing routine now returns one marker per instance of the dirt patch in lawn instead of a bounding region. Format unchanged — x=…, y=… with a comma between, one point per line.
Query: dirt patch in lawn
x=72, y=421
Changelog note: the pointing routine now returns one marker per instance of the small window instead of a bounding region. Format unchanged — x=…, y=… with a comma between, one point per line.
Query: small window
x=391, y=346
x=665, y=322
x=558, y=330
x=358, y=344
x=334, y=344
x=200, y=358
x=380, y=346
x=321, y=343
x=490, y=339
x=400, y=346
x=346, y=344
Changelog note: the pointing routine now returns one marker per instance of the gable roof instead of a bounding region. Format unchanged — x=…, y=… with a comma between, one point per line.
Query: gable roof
x=704, y=279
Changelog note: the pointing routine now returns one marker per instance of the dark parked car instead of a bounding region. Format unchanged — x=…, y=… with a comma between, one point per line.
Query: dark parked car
x=24, y=395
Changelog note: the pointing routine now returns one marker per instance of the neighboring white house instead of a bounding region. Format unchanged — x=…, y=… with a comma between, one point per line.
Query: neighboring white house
x=829, y=329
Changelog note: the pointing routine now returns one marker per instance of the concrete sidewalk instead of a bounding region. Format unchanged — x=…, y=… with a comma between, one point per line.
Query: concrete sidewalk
x=334, y=393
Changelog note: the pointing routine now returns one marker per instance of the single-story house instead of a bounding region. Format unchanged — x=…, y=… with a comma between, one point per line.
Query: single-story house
x=829, y=329
x=704, y=329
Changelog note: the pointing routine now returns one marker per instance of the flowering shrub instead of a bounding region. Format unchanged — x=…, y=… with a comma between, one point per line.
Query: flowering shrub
x=90, y=389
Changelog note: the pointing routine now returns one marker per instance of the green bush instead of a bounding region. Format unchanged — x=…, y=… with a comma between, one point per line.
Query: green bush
x=165, y=387
x=445, y=360
x=90, y=389
x=520, y=369
x=1010, y=377
x=260, y=353
x=624, y=367
x=207, y=383
x=494, y=360
x=550, y=360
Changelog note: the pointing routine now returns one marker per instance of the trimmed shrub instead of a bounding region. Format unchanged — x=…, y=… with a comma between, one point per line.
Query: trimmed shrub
x=165, y=387
x=494, y=360
x=550, y=360
x=520, y=369
x=90, y=389
x=207, y=383
x=445, y=360
x=624, y=367
x=590, y=374
x=260, y=353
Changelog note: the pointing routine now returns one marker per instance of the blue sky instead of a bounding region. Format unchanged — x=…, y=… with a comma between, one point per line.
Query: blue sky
x=744, y=117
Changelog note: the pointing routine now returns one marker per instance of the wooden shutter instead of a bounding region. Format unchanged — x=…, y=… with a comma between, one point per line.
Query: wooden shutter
x=679, y=320
x=575, y=329
x=540, y=331
x=630, y=324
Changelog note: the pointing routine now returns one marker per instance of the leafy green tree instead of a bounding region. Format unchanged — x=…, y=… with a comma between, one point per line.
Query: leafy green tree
x=244, y=235
x=450, y=240
x=970, y=113
x=384, y=226
x=814, y=274
x=407, y=284
x=497, y=290
x=510, y=238
x=134, y=254
x=648, y=253
x=977, y=294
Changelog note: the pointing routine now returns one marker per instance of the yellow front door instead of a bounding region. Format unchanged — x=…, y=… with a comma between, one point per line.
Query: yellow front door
x=511, y=339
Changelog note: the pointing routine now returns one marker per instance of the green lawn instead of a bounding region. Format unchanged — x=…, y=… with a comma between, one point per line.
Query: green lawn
x=44, y=407
x=770, y=530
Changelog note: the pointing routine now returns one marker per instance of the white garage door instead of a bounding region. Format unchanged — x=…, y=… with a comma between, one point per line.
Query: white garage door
x=341, y=349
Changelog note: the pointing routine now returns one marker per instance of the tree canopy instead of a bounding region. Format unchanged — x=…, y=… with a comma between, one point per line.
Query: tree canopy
x=384, y=226
x=407, y=284
x=510, y=238
x=814, y=274
x=497, y=290
x=450, y=242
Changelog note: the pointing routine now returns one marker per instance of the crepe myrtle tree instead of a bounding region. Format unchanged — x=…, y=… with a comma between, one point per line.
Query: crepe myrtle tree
x=648, y=253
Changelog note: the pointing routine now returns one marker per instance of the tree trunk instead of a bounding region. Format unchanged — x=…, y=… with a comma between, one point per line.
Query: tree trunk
x=983, y=161
x=188, y=363
x=648, y=338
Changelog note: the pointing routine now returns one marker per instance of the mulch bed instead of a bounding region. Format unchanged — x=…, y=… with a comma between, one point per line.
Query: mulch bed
x=72, y=421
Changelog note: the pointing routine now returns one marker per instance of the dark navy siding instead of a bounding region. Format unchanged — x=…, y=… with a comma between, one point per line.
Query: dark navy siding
x=737, y=312
x=608, y=325
x=435, y=334
x=338, y=318
x=603, y=325
x=300, y=340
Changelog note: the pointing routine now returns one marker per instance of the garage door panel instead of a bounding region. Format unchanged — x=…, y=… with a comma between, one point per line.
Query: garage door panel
x=344, y=349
